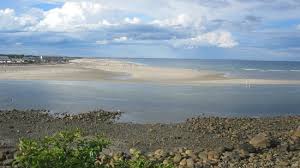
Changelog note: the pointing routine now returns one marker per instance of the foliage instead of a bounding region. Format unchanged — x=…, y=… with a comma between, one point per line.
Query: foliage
x=140, y=161
x=62, y=150
x=69, y=149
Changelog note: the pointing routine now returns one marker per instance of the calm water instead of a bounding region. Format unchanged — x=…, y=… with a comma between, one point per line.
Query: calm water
x=233, y=68
x=166, y=103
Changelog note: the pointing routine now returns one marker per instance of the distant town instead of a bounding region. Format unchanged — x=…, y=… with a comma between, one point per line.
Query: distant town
x=32, y=59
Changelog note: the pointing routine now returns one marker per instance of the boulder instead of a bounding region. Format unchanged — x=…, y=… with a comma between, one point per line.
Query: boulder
x=261, y=141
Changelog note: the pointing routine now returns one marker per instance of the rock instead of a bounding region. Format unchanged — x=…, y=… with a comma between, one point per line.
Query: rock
x=284, y=146
x=283, y=163
x=246, y=148
x=190, y=163
x=134, y=151
x=2, y=156
x=160, y=153
x=165, y=162
x=212, y=155
x=177, y=158
x=8, y=162
x=191, y=154
x=203, y=156
x=297, y=132
x=225, y=148
x=235, y=156
x=261, y=141
x=183, y=162
x=9, y=155
x=296, y=164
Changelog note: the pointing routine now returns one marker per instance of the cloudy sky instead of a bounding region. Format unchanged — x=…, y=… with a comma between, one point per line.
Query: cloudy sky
x=233, y=29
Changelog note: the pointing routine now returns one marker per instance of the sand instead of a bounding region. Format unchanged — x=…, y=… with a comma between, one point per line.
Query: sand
x=121, y=71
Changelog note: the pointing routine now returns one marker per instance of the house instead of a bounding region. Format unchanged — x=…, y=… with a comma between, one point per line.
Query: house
x=17, y=60
x=4, y=60
x=29, y=59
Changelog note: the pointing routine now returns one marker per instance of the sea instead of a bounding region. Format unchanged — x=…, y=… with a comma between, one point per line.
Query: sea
x=161, y=103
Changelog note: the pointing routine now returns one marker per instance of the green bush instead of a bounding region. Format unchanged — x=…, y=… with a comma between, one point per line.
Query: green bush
x=69, y=149
x=62, y=150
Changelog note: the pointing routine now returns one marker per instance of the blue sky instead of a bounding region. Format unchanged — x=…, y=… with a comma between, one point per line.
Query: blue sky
x=212, y=29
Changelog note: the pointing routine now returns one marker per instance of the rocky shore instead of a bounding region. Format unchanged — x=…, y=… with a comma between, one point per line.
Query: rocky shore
x=197, y=142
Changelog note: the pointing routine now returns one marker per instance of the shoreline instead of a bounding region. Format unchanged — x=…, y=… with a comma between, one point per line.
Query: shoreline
x=122, y=71
x=205, y=134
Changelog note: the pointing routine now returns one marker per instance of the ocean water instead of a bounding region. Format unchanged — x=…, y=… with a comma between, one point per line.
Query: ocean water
x=148, y=103
x=285, y=70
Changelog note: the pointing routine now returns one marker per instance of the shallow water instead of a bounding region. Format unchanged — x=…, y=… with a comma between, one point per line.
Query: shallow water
x=152, y=102
x=279, y=70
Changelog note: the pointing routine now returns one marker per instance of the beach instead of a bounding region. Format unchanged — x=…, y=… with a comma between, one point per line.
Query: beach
x=171, y=121
x=123, y=71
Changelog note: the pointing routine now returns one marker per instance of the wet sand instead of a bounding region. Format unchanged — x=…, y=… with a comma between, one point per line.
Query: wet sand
x=121, y=71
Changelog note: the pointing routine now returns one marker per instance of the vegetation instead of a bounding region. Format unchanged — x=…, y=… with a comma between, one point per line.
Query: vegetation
x=69, y=149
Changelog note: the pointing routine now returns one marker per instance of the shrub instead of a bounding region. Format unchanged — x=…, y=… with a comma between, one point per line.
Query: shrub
x=69, y=149
x=62, y=150
x=140, y=161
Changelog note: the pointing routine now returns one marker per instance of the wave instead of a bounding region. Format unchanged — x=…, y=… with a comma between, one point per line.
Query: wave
x=249, y=69
x=271, y=70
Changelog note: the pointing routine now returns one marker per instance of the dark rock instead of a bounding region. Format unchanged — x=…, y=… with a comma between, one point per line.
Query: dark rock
x=246, y=147
x=2, y=156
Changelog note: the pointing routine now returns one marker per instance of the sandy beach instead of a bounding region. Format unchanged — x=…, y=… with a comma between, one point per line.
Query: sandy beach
x=121, y=71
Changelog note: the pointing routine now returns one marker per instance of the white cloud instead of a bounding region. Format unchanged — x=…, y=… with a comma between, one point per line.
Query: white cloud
x=221, y=39
x=73, y=16
x=9, y=21
x=182, y=20
x=120, y=39
x=134, y=20
x=102, y=42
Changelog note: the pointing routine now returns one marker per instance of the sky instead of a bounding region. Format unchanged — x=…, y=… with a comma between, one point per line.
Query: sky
x=204, y=29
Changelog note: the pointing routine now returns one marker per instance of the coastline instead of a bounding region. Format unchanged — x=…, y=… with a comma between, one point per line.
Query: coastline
x=227, y=138
x=121, y=71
